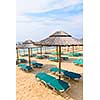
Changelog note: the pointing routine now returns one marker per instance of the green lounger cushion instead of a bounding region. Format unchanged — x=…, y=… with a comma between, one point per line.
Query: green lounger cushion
x=78, y=61
x=33, y=55
x=53, y=59
x=59, y=85
x=75, y=54
x=21, y=64
x=37, y=64
x=44, y=77
x=25, y=67
x=54, y=69
x=56, y=84
x=40, y=57
x=22, y=60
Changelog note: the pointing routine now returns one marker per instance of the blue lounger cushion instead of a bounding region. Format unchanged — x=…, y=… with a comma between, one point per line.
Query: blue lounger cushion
x=25, y=67
x=37, y=64
x=66, y=73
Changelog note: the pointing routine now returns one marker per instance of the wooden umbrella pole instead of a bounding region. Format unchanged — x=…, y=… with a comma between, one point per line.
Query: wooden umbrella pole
x=17, y=53
x=24, y=51
x=31, y=51
x=41, y=50
x=68, y=49
x=59, y=62
x=73, y=49
x=37, y=50
x=57, y=51
x=29, y=56
x=45, y=50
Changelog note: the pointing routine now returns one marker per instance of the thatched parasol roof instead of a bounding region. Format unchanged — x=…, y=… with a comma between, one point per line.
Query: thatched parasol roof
x=20, y=45
x=59, y=38
x=81, y=40
x=29, y=44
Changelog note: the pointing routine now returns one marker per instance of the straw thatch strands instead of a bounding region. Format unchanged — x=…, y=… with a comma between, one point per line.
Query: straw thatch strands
x=59, y=38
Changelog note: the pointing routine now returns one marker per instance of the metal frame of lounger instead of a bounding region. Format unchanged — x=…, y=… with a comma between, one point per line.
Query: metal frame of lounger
x=59, y=90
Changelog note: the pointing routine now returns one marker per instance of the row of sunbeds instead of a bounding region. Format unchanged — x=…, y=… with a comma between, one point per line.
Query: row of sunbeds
x=55, y=70
x=76, y=62
x=55, y=53
x=48, y=80
x=57, y=84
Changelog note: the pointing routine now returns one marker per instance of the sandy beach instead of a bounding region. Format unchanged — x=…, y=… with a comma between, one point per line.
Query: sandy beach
x=28, y=88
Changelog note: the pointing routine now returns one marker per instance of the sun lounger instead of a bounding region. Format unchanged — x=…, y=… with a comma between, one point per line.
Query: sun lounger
x=36, y=64
x=45, y=56
x=68, y=74
x=58, y=85
x=76, y=54
x=33, y=55
x=21, y=60
x=64, y=58
x=55, y=53
x=25, y=67
x=24, y=55
x=40, y=57
x=78, y=61
x=53, y=59
x=44, y=77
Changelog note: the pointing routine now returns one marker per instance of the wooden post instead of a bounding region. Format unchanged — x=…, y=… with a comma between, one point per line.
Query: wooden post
x=73, y=49
x=31, y=51
x=68, y=49
x=17, y=53
x=57, y=51
x=29, y=56
x=45, y=50
x=37, y=50
x=23, y=51
x=59, y=62
x=41, y=50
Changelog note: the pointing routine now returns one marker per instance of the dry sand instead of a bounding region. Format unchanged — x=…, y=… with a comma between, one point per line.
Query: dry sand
x=28, y=88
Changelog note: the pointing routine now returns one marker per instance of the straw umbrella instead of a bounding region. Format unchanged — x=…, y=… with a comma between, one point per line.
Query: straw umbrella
x=29, y=44
x=59, y=38
x=19, y=45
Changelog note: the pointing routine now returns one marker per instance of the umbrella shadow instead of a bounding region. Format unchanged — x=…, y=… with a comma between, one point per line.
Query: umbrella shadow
x=45, y=68
x=70, y=60
x=75, y=92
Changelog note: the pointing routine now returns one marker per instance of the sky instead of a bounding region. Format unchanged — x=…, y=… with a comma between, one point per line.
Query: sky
x=37, y=19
